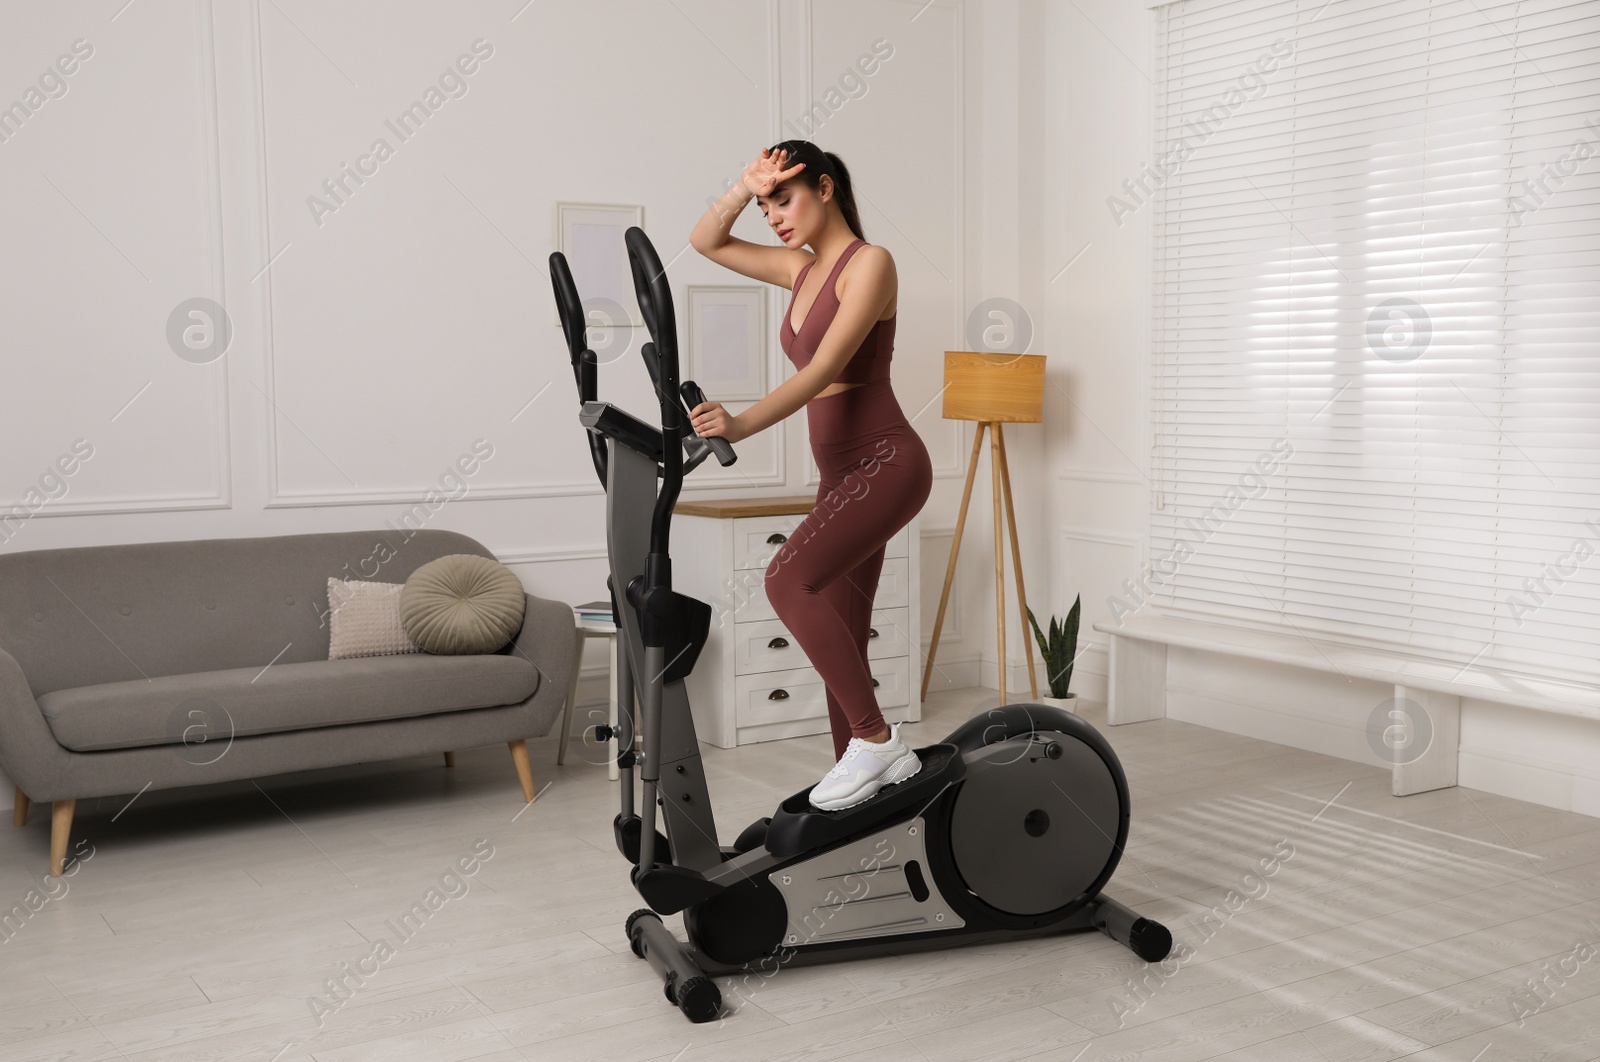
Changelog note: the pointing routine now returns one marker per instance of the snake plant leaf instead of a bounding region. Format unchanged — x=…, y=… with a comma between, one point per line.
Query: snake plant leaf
x=1044, y=649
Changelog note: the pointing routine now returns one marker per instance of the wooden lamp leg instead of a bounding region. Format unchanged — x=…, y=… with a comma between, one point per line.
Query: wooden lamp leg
x=999, y=559
x=519, y=756
x=1016, y=561
x=449, y=759
x=60, y=833
x=955, y=548
x=20, y=816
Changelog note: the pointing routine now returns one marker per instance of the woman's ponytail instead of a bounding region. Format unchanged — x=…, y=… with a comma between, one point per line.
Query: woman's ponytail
x=847, y=195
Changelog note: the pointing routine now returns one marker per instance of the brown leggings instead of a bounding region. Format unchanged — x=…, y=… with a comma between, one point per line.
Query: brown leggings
x=876, y=475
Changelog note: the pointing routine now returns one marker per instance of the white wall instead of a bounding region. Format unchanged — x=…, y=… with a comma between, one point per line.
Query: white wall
x=1006, y=183
x=387, y=336
x=1090, y=125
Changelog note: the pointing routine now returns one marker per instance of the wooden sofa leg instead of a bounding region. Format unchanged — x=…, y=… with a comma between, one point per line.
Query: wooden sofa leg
x=60, y=833
x=449, y=759
x=519, y=756
x=20, y=817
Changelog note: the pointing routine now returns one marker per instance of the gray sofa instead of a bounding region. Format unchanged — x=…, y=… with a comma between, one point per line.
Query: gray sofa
x=170, y=664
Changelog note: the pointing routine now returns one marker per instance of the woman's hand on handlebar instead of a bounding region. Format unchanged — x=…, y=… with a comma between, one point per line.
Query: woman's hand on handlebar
x=712, y=418
x=767, y=171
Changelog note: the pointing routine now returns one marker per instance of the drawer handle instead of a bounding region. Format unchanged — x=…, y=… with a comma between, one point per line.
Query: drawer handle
x=778, y=643
x=872, y=632
x=778, y=695
x=777, y=539
x=874, y=682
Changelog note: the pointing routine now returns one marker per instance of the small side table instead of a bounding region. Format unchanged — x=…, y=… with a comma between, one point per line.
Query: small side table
x=591, y=628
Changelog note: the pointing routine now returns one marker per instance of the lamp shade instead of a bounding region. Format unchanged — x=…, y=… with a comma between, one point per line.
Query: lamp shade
x=984, y=386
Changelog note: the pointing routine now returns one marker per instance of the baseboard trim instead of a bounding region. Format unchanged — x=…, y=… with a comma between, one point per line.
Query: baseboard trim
x=1552, y=785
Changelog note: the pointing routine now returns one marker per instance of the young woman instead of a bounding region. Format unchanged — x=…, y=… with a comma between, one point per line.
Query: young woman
x=839, y=333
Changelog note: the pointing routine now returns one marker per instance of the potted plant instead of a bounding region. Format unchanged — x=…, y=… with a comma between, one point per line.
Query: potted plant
x=1059, y=652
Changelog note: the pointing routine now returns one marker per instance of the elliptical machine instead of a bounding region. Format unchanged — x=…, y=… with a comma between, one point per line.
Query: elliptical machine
x=1014, y=824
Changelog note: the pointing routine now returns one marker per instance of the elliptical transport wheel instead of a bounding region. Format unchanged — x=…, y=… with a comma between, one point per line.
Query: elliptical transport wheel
x=633, y=939
x=699, y=999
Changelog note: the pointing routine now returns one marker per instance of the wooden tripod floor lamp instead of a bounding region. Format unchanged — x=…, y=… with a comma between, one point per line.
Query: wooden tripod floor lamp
x=991, y=389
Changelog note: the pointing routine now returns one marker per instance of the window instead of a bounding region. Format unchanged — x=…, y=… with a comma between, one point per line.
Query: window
x=1376, y=330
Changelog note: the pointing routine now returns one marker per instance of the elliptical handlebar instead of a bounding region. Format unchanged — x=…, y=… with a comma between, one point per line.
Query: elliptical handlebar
x=651, y=288
x=585, y=365
x=661, y=360
x=569, y=306
x=660, y=355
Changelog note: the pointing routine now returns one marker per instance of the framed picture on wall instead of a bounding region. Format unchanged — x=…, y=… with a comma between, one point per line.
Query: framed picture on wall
x=727, y=341
x=590, y=235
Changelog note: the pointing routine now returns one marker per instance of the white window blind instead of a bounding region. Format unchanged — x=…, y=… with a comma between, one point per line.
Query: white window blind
x=1380, y=254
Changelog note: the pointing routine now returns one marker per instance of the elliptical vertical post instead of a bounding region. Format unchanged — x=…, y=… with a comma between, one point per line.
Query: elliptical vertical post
x=650, y=774
x=626, y=724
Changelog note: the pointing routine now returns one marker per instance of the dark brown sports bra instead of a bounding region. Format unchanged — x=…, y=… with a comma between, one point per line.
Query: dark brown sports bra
x=870, y=362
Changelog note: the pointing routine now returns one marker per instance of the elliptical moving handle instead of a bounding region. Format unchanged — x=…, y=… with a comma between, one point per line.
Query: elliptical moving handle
x=651, y=288
x=584, y=362
x=655, y=303
x=661, y=354
x=570, y=307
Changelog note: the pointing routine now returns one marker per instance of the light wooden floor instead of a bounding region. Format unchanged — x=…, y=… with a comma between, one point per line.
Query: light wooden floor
x=207, y=920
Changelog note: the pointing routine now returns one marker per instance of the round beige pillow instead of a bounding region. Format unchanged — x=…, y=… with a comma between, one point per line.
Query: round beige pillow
x=462, y=603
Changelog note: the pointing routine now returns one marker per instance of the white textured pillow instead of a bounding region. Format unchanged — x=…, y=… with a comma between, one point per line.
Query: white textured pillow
x=366, y=619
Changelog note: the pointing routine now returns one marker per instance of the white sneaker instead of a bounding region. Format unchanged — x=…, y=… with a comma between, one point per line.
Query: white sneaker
x=865, y=768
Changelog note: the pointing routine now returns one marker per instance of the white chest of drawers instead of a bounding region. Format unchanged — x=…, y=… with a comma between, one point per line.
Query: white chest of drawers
x=753, y=681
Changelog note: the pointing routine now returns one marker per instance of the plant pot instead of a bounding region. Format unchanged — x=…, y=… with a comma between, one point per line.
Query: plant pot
x=1066, y=704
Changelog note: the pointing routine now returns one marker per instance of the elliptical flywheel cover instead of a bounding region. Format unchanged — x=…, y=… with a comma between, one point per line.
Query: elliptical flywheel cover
x=1030, y=832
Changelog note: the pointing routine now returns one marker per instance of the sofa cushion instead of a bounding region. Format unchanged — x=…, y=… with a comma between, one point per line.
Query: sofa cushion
x=221, y=705
x=364, y=619
x=462, y=603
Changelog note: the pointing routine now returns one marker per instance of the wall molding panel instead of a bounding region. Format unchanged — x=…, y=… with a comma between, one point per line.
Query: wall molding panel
x=283, y=495
x=219, y=494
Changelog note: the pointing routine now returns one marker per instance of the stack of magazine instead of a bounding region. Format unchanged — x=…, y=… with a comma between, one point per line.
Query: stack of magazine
x=595, y=610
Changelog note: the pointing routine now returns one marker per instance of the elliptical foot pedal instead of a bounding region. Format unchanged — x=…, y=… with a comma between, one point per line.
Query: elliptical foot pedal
x=628, y=831
x=798, y=827
x=670, y=889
